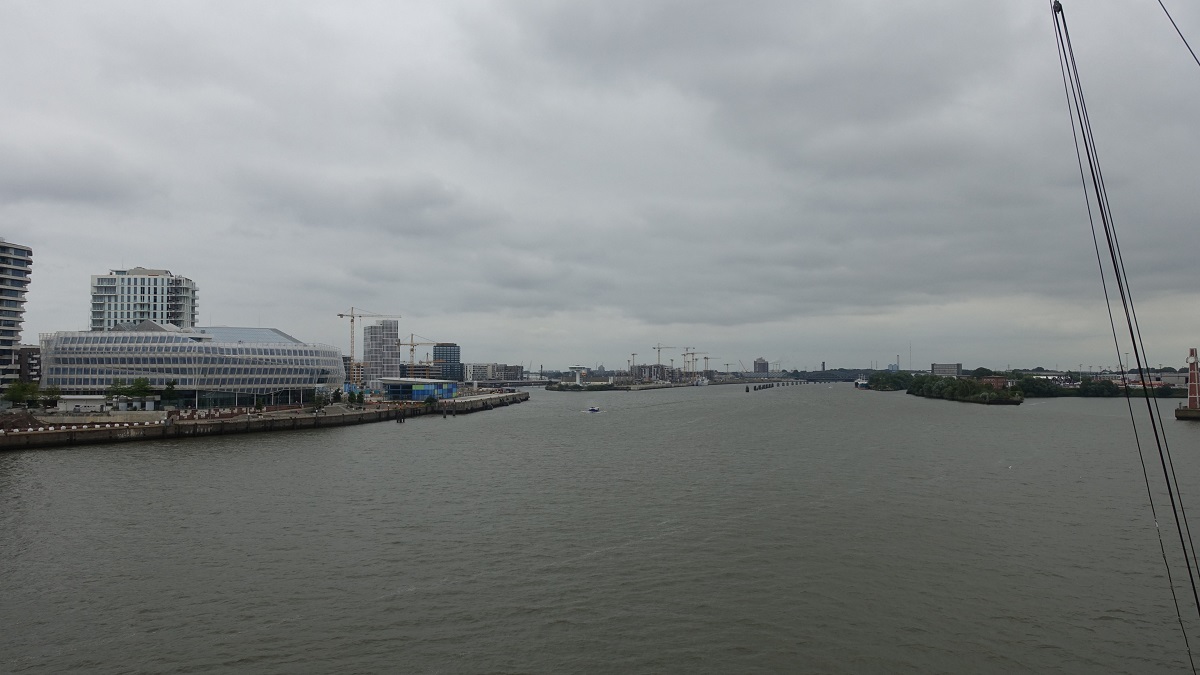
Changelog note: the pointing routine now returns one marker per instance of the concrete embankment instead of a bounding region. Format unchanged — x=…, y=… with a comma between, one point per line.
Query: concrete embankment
x=58, y=434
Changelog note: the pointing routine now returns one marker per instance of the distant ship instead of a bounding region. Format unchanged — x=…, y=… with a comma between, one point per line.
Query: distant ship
x=861, y=383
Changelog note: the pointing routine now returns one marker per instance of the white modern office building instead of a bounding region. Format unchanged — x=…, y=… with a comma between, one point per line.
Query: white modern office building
x=131, y=296
x=208, y=366
x=16, y=266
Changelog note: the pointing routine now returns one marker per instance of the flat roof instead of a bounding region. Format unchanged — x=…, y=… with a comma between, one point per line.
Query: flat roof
x=414, y=380
x=235, y=334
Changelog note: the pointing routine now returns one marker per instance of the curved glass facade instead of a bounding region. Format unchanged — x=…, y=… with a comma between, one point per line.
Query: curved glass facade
x=207, y=360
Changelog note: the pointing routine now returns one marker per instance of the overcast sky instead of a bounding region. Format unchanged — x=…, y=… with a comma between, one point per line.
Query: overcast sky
x=568, y=183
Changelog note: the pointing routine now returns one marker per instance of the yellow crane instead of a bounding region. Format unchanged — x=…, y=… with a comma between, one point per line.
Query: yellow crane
x=352, y=315
x=412, y=349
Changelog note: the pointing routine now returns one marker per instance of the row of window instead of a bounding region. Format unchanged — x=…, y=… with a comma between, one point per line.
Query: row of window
x=20, y=252
x=241, y=354
x=186, y=361
x=260, y=385
x=285, y=373
x=180, y=348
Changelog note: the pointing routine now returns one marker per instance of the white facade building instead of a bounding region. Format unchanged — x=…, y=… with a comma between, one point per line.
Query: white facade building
x=16, y=266
x=140, y=294
x=381, y=350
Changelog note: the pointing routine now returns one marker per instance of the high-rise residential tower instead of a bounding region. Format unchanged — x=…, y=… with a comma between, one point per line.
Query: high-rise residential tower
x=16, y=266
x=381, y=350
x=139, y=294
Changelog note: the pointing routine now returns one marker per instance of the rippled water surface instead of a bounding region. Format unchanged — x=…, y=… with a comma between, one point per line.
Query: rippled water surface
x=801, y=529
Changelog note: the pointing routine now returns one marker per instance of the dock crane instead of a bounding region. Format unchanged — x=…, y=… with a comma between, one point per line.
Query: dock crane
x=352, y=315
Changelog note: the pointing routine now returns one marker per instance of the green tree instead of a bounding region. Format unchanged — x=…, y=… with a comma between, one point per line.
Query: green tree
x=886, y=380
x=982, y=372
x=1098, y=388
x=169, y=393
x=50, y=396
x=1038, y=387
x=1164, y=391
x=140, y=388
x=118, y=388
x=19, y=393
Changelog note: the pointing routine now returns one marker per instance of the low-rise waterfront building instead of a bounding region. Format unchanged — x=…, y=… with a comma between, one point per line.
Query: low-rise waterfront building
x=203, y=367
x=417, y=388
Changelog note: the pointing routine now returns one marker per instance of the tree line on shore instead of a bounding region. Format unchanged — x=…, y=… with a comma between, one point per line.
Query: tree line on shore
x=1023, y=385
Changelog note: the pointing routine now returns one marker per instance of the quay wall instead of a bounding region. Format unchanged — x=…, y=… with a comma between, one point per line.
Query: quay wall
x=74, y=434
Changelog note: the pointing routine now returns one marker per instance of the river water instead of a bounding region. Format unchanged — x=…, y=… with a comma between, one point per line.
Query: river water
x=805, y=529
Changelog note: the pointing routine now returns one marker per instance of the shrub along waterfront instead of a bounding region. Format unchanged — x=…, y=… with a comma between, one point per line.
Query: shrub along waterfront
x=965, y=390
x=889, y=380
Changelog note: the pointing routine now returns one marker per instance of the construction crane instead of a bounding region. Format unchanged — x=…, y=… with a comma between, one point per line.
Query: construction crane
x=688, y=355
x=659, y=347
x=412, y=349
x=352, y=315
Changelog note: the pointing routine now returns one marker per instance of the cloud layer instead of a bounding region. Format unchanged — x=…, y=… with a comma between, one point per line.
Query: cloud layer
x=563, y=183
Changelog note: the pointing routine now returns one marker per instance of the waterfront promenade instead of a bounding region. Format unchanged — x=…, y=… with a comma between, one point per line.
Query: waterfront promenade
x=64, y=432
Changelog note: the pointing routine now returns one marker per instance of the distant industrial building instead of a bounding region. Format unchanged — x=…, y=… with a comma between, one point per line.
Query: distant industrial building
x=494, y=372
x=946, y=369
x=208, y=366
x=761, y=365
x=129, y=297
x=447, y=356
x=16, y=267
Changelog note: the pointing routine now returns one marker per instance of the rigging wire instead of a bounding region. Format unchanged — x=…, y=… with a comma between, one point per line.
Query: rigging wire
x=1083, y=136
x=1179, y=32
